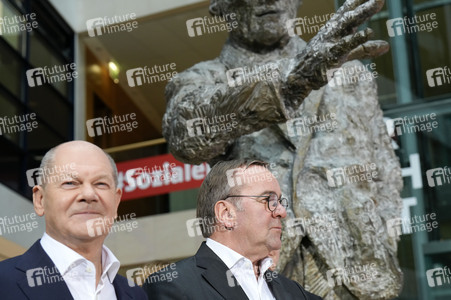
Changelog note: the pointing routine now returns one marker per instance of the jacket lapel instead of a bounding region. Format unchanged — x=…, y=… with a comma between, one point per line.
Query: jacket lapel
x=274, y=285
x=278, y=290
x=121, y=293
x=216, y=273
x=41, y=278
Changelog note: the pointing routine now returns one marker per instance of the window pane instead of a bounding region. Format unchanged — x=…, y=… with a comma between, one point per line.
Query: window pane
x=435, y=52
x=8, y=111
x=51, y=107
x=437, y=148
x=43, y=138
x=10, y=70
x=10, y=165
x=384, y=64
x=10, y=31
x=42, y=56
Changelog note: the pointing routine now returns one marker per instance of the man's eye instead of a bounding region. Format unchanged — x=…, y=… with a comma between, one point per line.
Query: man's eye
x=69, y=183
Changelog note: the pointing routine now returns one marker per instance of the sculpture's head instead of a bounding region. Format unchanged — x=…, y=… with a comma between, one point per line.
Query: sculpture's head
x=261, y=23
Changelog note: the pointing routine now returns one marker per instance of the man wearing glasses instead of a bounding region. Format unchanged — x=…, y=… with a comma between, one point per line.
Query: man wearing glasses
x=240, y=206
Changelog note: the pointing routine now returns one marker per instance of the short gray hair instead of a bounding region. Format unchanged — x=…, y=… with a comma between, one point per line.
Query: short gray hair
x=216, y=187
x=48, y=162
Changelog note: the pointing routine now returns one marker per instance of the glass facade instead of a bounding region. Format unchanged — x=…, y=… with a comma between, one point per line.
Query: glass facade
x=410, y=91
x=34, y=118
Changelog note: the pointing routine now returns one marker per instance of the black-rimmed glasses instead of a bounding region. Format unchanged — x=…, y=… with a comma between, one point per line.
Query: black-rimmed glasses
x=272, y=199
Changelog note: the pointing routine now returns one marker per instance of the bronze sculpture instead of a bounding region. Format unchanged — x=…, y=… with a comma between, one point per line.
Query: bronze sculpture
x=267, y=96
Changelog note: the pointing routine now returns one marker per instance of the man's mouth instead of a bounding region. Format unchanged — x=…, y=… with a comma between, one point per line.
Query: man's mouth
x=87, y=212
x=267, y=12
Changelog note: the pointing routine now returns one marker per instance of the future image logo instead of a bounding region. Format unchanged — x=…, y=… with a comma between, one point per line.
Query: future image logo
x=18, y=123
x=311, y=124
x=438, y=276
x=414, y=224
x=250, y=75
x=46, y=275
x=193, y=227
x=15, y=24
x=107, y=25
x=53, y=74
x=106, y=225
x=35, y=77
x=210, y=225
x=136, y=277
x=438, y=176
x=54, y=174
x=351, y=74
x=155, y=274
x=315, y=224
x=148, y=75
x=109, y=125
x=338, y=177
x=35, y=277
x=213, y=124
x=240, y=176
x=415, y=124
x=352, y=274
x=12, y=225
x=401, y=26
x=438, y=76
x=394, y=227
x=207, y=25
x=309, y=25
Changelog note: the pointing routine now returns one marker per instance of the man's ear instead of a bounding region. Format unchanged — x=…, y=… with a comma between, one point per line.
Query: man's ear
x=225, y=213
x=38, y=200
x=117, y=199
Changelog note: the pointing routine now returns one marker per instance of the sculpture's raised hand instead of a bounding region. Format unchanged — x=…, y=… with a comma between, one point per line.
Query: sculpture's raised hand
x=335, y=43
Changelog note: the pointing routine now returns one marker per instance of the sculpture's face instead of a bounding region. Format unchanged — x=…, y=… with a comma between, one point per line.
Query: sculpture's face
x=260, y=22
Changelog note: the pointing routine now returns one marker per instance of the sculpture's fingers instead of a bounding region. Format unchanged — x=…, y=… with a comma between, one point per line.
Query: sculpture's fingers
x=349, y=17
x=370, y=49
x=340, y=51
x=369, y=8
x=338, y=25
x=350, y=5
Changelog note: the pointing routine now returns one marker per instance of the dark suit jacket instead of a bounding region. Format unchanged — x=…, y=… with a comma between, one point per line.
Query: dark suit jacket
x=14, y=283
x=205, y=276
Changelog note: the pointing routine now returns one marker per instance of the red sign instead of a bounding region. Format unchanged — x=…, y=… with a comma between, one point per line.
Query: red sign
x=158, y=175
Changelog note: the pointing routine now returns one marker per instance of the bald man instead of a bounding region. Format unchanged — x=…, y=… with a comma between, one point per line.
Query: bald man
x=78, y=197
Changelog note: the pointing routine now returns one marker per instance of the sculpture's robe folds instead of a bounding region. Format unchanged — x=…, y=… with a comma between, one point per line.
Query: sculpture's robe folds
x=355, y=252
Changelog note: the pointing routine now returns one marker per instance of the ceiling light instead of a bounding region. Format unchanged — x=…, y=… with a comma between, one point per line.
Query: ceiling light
x=114, y=71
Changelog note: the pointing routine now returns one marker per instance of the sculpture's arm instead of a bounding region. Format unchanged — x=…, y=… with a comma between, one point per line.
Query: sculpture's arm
x=336, y=43
x=202, y=93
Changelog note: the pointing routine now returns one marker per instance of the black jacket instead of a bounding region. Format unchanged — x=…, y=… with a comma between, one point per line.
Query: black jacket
x=205, y=276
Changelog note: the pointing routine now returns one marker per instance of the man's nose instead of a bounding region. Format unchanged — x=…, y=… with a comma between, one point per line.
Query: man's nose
x=88, y=193
x=280, y=211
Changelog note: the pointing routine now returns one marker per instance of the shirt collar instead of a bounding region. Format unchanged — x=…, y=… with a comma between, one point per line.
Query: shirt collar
x=265, y=264
x=231, y=257
x=110, y=263
x=65, y=258
x=227, y=255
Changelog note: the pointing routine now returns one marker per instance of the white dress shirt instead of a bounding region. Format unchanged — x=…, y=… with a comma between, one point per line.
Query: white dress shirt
x=80, y=274
x=242, y=269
